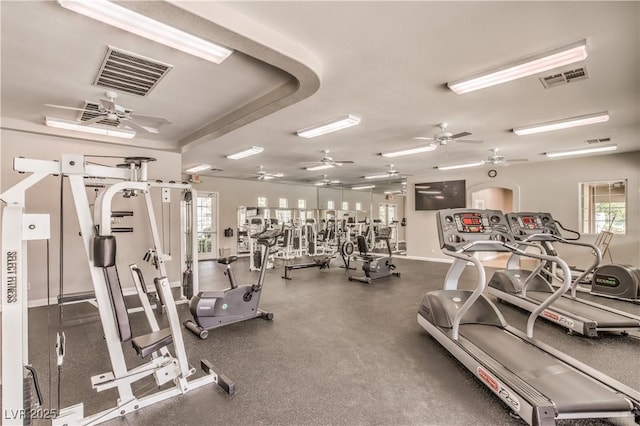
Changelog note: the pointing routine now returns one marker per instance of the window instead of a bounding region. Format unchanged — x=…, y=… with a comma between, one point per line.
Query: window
x=302, y=204
x=603, y=207
x=331, y=205
x=358, y=206
x=283, y=216
x=262, y=201
x=387, y=213
x=345, y=205
x=283, y=203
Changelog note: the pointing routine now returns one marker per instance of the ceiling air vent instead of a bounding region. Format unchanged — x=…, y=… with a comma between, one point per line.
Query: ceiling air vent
x=564, y=77
x=127, y=72
x=601, y=140
x=89, y=114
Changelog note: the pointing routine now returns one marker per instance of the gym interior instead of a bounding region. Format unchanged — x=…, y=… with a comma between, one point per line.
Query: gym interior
x=186, y=241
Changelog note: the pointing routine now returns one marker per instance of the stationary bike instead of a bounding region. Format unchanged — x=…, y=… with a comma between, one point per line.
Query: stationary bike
x=376, y=267
x=213, y=309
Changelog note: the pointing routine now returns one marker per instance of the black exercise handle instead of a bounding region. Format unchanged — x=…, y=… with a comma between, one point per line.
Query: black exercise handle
x=36, y=384
x=577, y=237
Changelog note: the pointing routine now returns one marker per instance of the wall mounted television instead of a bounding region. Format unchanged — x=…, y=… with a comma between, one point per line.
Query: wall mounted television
x=440, y=195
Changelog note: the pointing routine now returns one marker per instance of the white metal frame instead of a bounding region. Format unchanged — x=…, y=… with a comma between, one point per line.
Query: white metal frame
x=15, y=357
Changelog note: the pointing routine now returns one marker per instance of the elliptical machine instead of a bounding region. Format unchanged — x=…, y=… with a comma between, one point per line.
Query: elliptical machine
x=213, y=309
x=376, y=267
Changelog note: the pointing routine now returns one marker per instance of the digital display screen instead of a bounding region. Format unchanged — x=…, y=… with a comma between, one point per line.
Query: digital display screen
x=470, y=223
x=528, y=222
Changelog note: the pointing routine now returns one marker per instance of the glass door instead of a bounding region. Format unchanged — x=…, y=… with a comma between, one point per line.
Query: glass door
x=207, y=225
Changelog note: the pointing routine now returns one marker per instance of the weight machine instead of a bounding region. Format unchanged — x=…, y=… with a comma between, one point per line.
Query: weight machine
x=100, y=250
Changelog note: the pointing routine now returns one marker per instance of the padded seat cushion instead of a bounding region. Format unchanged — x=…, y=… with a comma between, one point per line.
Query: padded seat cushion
x=149, y=343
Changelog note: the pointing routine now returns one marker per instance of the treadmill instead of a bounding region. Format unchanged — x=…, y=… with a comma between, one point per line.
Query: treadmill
x=537, y=382
x=528, y=289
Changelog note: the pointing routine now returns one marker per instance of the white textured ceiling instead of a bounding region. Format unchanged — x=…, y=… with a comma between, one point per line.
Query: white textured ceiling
x=300, y=63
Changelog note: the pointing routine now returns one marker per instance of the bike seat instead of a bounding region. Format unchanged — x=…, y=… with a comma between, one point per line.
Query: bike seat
x=227, y=260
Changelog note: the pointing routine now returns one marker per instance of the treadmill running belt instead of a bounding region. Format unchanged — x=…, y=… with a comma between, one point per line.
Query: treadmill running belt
x=570, y=391
x=603, y=318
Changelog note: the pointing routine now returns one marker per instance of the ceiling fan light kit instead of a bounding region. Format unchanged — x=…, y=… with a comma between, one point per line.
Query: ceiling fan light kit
x=246, y=153
x=74, y=125
x=328, y=127
x=565, y=123
x=112, y=14
x=582, y=151
x=525, y=67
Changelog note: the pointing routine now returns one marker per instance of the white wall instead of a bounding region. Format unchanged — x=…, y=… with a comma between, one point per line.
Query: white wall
x=550, y=186
x=45, y=196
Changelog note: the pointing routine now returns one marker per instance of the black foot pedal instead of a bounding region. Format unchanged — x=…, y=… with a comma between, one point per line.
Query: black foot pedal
x=223, y=381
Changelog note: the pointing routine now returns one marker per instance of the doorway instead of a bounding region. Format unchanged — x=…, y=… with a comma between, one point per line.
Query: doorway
x=505, y=199
x=207, y=225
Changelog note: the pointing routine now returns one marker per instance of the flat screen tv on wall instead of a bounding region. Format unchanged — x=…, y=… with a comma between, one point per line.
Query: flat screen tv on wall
x=440, y=195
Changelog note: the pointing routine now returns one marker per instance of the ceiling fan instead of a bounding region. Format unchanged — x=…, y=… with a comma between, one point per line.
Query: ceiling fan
x=391, y=173
x=443, y=137
x=263, y=175
x=326, y=181
x=108, y=113
x=325, y=163
x=499, y=160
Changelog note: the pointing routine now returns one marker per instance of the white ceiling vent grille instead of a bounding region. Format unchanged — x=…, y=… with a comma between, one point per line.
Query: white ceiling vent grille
x=564, y=77
x=89, y=114
x=127, y=72
x=601, y=140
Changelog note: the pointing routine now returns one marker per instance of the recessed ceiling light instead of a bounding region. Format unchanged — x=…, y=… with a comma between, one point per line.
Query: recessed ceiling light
x=328, y=127
x=73, y=125
x=247, y=152
x=410, y=151
x=565, y=123
x=199, y=168
x=112, y=14
x=581, y=151
x=364, y=187
x=461, y=166
x=551, y=59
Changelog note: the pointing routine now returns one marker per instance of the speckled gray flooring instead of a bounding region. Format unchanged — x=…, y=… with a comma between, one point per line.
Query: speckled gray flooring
x=336, y=353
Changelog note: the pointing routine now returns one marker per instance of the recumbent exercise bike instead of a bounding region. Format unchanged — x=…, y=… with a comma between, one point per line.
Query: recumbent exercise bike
x=376, y=267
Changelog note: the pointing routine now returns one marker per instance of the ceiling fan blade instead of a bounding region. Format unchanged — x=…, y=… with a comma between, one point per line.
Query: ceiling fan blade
x=513, y=160
x=344, y=162
x=70, y=108
x=137, y=127
x=424, y=138
x=150, y=117
x=460, y=135
x=311, y=163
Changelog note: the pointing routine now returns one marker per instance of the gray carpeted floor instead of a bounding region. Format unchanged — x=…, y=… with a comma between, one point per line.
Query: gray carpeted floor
x=336, y=353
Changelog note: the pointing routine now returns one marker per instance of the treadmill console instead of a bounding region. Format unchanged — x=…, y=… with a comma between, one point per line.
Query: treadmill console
x=532, y=226
x=459, y=227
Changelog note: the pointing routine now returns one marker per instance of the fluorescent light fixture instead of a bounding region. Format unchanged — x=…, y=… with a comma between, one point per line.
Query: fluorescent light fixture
x=461, y=166
x=380, y=176
x=392, y=192
x=74, y=125
x=403, y=183
x=112, y=14
x=199, y=168
x=328, y=127
x=410, y=151
x=247, y=152
x=565, y=123
x=363, y=187
x=604, y=148
x=320, y=167
x=433, y=192
x=548, y=60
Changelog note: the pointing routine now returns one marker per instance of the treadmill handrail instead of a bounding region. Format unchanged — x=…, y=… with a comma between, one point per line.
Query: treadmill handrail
x=597, y=257
x=460, y=254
